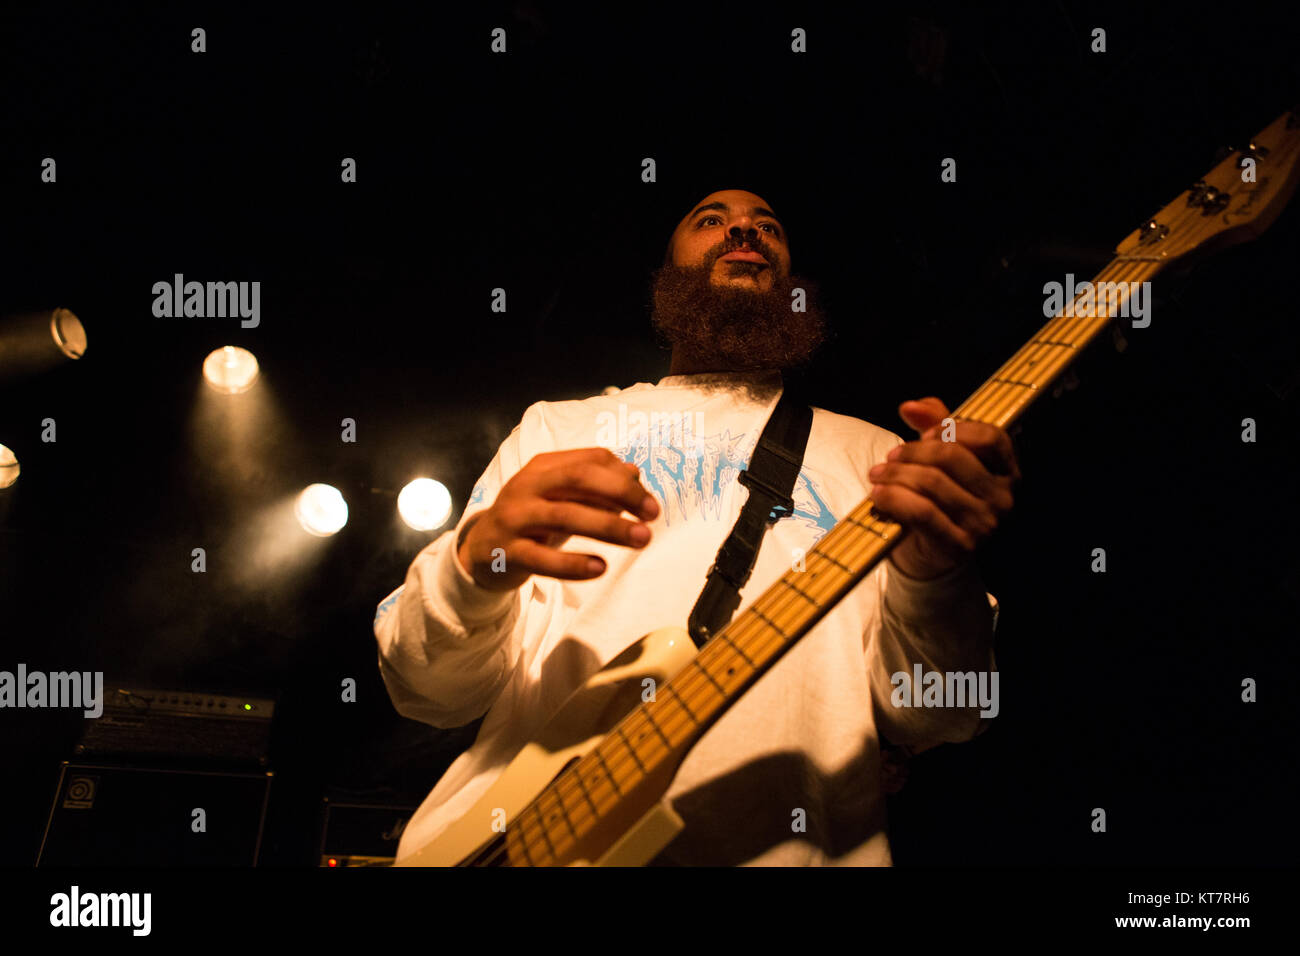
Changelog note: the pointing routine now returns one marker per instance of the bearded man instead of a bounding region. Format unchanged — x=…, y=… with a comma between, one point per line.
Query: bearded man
x=579, y=538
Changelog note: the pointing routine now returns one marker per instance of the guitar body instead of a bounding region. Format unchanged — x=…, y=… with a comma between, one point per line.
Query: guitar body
x=591, y=712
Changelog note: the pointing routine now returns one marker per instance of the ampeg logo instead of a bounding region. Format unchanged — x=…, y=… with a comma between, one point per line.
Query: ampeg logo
x=80, y=792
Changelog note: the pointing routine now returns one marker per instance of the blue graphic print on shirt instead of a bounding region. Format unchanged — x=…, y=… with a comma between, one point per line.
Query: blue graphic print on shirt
x=693, y=482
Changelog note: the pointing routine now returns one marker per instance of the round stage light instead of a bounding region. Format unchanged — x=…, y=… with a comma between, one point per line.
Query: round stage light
x=32, y=343
x=8, y=467
x=321, y=510
x=230, y=370
x=69, y=334
x=424, y=504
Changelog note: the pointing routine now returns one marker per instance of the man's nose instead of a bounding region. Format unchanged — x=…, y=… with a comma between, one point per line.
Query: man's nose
x=743, y=230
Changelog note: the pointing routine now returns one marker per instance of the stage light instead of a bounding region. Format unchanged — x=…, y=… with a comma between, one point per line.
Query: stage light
x=424, y=504
x=321, y=510
x=36, y=341
x=230, y=370
x=8, y=467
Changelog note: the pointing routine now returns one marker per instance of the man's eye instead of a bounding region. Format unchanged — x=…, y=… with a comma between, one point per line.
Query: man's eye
x=770, y=227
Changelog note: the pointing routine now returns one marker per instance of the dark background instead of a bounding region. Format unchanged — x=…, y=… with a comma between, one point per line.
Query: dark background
x=1119, y=691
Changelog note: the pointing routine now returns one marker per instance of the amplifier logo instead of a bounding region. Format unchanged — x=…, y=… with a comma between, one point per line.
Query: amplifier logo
x=58, y=689
x=398, y=826
x=80, y=793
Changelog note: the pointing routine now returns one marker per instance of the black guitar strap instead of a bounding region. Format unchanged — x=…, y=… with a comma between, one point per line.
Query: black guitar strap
x=770, y=478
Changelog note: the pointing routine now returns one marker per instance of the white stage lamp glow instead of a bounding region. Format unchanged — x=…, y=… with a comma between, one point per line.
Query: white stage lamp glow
x=321, y=510
x=424, y=504
x=230, y=370
x=8, y=467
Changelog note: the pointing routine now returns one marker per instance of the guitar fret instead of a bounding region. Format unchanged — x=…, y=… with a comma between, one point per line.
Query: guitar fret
x=594, y=809
x=723, y=634
x=800, y=592
x=655, y=724
x=1008, y=381
x=564, y=811
x=620, y=767
x=867, y=527
x=843, y=567
x=522, y=843
x=601, y=758
x=541, y=823
x=689, y=713
x=769, y=622
x=705, y=671
x=635, y=755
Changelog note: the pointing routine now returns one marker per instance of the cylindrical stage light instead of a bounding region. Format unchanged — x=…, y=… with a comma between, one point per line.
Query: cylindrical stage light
x=37, y=341
x=230, y=370
x=424, y=504
x=321, y=510
x=8, y=467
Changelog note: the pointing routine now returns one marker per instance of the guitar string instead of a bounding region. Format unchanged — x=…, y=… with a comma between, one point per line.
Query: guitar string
x=1001, y=395
x=977, y=404
x=1065, y=327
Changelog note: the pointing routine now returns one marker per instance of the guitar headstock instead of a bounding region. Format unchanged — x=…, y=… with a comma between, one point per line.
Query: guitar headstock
x=1233, y=203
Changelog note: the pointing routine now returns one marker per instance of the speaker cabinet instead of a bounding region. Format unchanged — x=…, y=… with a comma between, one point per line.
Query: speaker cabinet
x=115, y=815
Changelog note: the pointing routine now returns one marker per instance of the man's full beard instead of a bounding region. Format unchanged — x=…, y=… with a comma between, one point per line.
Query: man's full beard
x=732, y=328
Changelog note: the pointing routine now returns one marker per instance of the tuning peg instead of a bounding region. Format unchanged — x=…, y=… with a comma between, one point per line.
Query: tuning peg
x=1152, y=230
x=1252, y=151
x=1207, y=197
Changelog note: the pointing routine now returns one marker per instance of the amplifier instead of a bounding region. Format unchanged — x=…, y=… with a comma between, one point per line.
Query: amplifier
x=111, y=815
x=362, y=834
x=161, y=723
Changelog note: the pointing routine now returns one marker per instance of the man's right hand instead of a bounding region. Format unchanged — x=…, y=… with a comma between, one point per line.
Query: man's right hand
x=555, y=495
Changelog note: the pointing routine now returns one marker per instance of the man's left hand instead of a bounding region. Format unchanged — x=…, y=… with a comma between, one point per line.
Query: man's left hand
x=950, y=495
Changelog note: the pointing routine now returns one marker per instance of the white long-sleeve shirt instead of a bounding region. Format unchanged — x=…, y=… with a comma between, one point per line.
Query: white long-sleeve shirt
x=790, y=775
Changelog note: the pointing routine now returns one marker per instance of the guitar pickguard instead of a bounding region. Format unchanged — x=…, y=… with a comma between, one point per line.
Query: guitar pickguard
x=592, y=711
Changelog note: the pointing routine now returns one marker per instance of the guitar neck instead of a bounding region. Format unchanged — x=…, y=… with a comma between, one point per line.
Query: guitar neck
x=652, y=740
